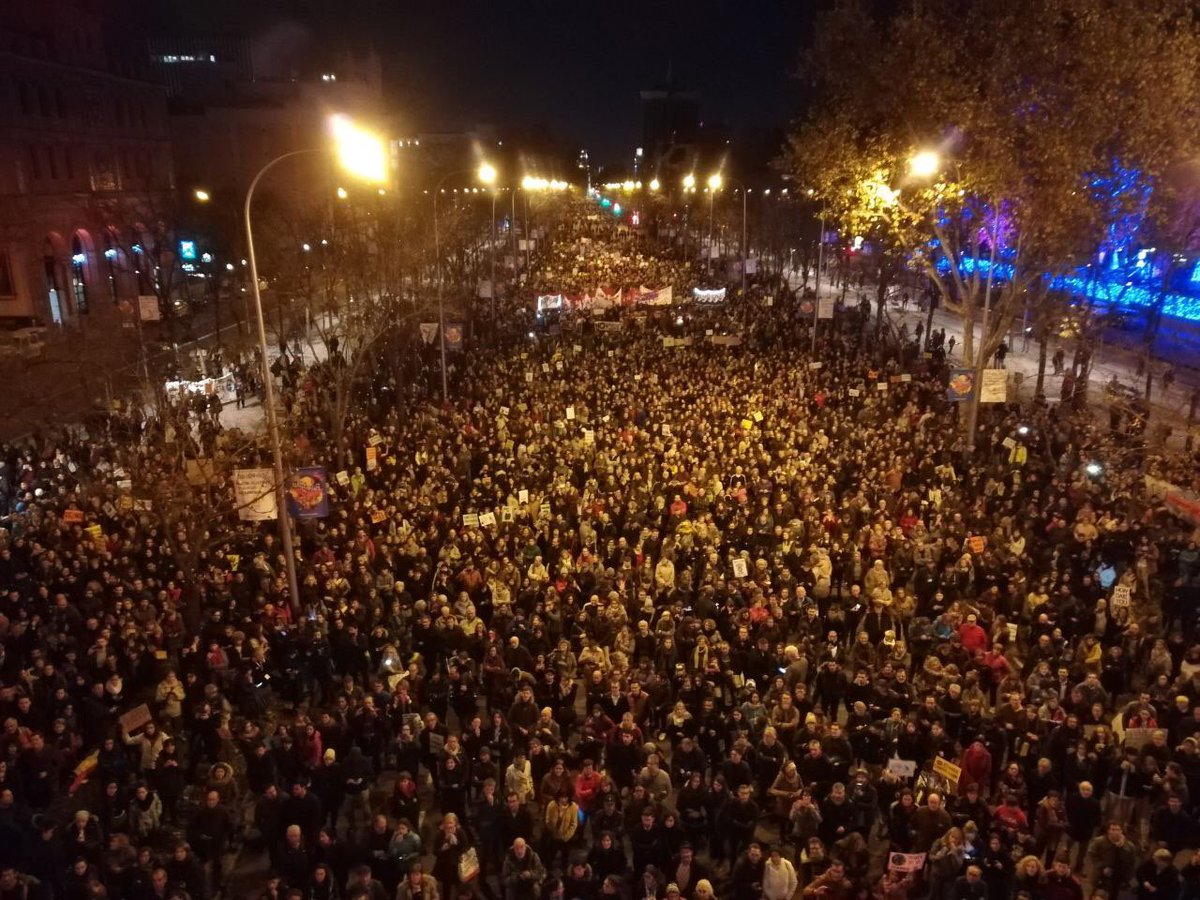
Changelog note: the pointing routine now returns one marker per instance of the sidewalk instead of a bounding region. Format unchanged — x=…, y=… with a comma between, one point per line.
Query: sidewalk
x=1108, y=360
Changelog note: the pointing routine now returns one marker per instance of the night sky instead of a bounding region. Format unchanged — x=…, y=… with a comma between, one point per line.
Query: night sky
x=576, y=68
x=569, y=68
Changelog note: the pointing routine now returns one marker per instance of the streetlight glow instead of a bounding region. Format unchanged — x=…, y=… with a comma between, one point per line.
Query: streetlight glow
x=654, y=185
x=925, y=164
x=202, y=195
x=342, y=193
x=358, y=151
x=487, y=173
x=714, y=181
x=689, y=181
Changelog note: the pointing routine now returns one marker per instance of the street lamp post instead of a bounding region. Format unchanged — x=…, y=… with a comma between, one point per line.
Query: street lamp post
x=487, y=175
x=820, y=260
x=358, y=152
x=285, y=525
x=712, y=193
x=495, y=322
x=714, y=183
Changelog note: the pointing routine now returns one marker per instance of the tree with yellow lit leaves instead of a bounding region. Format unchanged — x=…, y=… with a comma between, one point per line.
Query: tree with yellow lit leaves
x=1043, y=119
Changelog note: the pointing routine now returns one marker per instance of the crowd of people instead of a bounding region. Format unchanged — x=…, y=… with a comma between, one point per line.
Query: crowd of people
x=593, y=260
x=626, y=618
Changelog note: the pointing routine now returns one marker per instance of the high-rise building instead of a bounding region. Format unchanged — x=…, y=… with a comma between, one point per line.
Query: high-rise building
x=670, y=121
x=85, y=135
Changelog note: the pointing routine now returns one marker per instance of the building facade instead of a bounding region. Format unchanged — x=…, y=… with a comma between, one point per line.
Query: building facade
x=85, y=158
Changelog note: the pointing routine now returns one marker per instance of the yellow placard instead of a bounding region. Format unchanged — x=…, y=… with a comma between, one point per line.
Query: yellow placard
x=947, y=770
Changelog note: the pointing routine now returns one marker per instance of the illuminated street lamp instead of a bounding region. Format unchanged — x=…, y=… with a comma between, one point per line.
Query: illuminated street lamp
x=925, y=164
x=362, y=155
x=202, y=195
x=689, y=181
x=654, y=185
x=714, y=185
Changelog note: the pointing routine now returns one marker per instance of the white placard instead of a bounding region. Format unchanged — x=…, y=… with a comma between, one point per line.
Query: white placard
x=254, y=493
x=739, y=568
x=522, y=496
x=570, y=413
x=148, y=308
x=994, y=386
x=487, y=519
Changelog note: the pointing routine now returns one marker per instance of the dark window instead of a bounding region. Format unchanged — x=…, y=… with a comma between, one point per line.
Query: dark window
x=43, y=100
x=60, y=102
x=6, y=282
x=52, y=162
x=26, y=98
x=35, y=164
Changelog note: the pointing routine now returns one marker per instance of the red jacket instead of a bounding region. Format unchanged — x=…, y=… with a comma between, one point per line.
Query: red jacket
x=973, y=637
x=976, y=768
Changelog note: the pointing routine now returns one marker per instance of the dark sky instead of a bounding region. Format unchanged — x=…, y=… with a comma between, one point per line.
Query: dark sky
x=570, y=67
x=576, y=68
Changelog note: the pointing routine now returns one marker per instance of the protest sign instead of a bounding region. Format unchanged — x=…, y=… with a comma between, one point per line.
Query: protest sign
x=905, y=768
x=135, y=718
x=906, y=862
x=947, y=769
x=254, y=494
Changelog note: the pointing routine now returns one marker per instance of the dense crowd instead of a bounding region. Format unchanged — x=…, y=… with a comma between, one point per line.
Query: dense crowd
x=622, y=620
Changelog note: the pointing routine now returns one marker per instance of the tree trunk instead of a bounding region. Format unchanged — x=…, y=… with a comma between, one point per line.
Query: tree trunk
x=968, y=327
x=881, y=290
x=1043, y=350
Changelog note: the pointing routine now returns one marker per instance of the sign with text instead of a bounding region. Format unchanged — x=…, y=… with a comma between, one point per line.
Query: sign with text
x=993, y=387
x=254, y=493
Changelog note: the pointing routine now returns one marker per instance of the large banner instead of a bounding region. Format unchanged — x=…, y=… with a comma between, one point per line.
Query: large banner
x=647, y=297
x=454, y=336
x=254, y=493
x=308, y=493
x=700, y=295
x=429, y=331
x=606, y=299
x=1181, y=502
x=825, y=307
x=550, y=301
